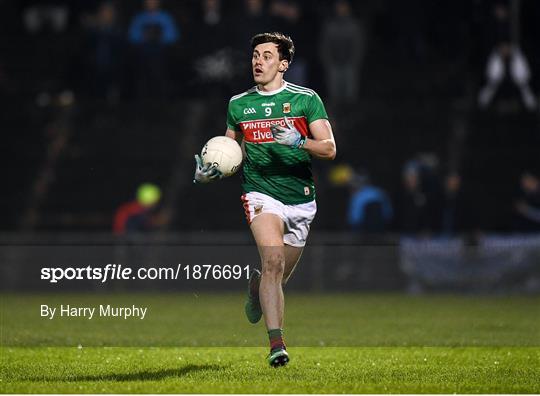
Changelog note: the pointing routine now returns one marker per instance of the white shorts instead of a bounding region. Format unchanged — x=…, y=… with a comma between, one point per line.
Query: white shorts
x=297, y=218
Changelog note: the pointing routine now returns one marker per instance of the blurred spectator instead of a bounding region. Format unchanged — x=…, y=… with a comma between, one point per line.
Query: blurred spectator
x=411, y=20
x=105, y=48
x=139, y=215
x=153, y=26
x=46, y=15
x=210, y=24
x=254, y=20
x=212, y=13
x=528, y=206
x=151, y=32
x=47, y=55
x=413, y=201
x=214, y=61
x=506, y=57
x=370, y=210
x=421, y=203
x=451, y=201
x=285, y=16
x=342, y=50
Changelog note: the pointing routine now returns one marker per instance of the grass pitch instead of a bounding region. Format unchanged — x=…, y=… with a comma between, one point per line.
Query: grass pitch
x=243, y=370
x=338, y=344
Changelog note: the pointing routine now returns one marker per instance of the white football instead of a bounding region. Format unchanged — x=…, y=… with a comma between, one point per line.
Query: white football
x=223, y=152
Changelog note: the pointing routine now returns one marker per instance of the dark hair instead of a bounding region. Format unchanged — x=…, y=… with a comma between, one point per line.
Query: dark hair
x=284, y=43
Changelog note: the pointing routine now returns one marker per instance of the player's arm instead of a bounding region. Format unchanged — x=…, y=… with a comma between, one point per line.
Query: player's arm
x=234, y=135
x=322, y=144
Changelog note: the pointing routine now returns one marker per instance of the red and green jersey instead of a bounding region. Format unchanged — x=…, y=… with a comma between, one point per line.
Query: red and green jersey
x=279, y=171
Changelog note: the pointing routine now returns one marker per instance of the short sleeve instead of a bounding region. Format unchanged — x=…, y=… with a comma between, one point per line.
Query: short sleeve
x=231, y=119
x=315, y=108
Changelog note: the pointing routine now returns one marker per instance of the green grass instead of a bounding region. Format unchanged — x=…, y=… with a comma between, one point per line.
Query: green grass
x=359, y=343
x=311, y=320
x=241, y=370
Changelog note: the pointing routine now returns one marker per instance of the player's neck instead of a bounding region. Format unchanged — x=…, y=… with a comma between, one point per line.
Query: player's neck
x=272, y=85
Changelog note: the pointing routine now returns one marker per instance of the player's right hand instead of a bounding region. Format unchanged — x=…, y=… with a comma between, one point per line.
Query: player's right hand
x=205, y=173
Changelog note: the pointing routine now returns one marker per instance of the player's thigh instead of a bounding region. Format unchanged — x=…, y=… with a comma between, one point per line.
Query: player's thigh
x=267, y=229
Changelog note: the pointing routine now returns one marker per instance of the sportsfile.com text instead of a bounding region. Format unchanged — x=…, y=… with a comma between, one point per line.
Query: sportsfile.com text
x=112, y=272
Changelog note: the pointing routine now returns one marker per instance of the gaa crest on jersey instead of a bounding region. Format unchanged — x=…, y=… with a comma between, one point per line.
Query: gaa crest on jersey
x=286, y=108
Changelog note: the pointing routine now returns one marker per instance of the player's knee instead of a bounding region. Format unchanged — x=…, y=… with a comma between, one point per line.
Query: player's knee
x=273, y=266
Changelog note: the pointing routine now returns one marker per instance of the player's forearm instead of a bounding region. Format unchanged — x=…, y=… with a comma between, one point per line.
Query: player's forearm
x=321, y=149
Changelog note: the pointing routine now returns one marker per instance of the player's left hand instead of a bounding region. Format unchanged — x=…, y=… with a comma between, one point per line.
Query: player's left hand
x=289, y=135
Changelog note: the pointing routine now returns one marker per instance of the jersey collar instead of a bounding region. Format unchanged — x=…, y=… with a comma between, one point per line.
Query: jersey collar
x=275, y=91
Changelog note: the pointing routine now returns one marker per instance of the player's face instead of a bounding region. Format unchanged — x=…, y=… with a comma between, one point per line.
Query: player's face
x=266, y=64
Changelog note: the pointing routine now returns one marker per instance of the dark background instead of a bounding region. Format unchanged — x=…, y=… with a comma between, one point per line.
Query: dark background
x=89, y=114
x=79, y=140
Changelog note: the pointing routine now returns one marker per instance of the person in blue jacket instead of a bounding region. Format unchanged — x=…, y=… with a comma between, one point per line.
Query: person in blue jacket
x=152, y=33
x=370, y=210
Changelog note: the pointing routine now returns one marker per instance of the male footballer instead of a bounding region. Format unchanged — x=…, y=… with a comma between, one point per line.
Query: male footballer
x=283, y=126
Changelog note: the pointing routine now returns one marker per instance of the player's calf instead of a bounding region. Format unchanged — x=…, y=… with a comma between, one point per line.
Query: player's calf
x=252, y=307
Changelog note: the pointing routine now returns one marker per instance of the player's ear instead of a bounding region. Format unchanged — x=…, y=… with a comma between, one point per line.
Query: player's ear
x=283, y=66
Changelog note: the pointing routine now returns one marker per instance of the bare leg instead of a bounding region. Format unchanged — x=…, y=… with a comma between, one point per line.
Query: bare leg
x=292, y=256
x=267, y=230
